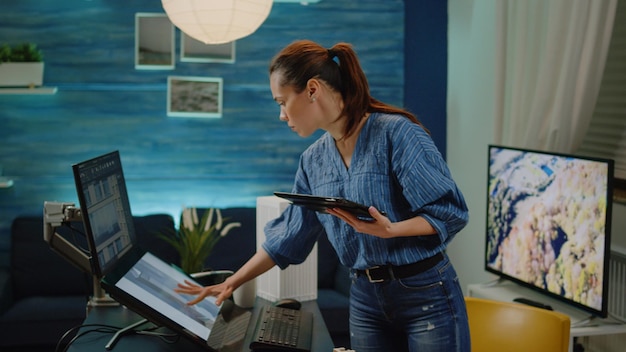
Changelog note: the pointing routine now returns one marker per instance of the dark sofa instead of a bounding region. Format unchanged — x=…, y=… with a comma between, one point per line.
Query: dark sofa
x=42, y=296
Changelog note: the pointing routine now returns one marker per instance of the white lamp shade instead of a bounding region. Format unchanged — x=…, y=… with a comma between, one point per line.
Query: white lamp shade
x=217, y=21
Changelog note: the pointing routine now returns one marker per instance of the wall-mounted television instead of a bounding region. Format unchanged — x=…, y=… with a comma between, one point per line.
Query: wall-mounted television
x=549, y=223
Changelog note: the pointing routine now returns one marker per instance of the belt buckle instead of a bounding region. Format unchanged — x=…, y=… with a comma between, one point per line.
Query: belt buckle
x=369, y=277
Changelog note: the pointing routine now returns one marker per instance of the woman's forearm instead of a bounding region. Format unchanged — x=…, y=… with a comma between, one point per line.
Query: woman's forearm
x=255, y=266
x=417, y=226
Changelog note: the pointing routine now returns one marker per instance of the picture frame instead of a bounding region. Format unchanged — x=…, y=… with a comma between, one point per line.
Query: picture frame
x=194, y=96
x=193, y=50
x=154, y=42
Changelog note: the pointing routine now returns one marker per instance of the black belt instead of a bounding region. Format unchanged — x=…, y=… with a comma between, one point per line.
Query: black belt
x=384, y=273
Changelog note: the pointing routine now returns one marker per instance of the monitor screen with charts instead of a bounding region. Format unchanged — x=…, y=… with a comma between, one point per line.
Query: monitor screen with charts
x=105, y=209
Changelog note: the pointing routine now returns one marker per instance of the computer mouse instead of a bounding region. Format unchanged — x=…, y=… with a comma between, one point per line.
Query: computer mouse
x=289, y=303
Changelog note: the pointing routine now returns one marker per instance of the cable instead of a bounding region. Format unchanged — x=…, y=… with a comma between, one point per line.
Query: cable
x=100, y=328
x=123, y=331
x=74, y=231
x=169, y=338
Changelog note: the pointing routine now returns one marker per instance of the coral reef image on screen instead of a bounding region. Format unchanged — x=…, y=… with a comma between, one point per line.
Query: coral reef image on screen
x=546, y=222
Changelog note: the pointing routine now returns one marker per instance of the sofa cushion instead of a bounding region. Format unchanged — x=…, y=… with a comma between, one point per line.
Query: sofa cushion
x=335, y=308
x=41, y=320
x=327, y=263
x=343, y=281
x=232, y=251
x=147, y=230
x=36, y=269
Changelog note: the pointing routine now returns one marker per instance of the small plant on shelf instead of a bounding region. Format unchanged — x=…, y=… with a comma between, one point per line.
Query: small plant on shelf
x=21, y=65
x=25, y=52
x=196, y=237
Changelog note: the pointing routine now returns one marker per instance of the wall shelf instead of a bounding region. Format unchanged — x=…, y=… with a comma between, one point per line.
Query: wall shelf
x=37, y=90
x=5, y=182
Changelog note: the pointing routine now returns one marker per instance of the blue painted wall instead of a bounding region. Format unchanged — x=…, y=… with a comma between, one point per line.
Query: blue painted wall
x=426, y=65
x=104, y=104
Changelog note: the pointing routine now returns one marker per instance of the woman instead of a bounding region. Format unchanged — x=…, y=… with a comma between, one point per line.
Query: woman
x=405, y=295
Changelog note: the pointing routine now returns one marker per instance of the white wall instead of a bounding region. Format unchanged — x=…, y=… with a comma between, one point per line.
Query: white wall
x=471, y=112
x=471, y=109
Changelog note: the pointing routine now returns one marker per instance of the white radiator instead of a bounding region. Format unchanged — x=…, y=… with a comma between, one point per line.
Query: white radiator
x=617, y=306
x=297, y=281
x=617, y=285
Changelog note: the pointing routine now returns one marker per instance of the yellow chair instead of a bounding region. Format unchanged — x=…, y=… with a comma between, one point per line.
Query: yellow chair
x=508, y=326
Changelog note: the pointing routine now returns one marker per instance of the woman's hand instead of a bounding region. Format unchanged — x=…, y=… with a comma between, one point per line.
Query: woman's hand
x=221, y=291
x=255, y=266
x=381, y=226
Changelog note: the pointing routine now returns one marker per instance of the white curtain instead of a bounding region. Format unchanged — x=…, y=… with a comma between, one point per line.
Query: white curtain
x=550, y=58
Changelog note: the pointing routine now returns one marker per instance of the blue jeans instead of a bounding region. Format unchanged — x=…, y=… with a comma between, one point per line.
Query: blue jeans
x=425, y=312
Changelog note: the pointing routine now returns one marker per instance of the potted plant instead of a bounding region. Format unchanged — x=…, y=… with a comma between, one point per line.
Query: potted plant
x=21, y=65
x=196, y=237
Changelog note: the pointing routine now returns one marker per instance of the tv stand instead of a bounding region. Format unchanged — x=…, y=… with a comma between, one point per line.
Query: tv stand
x=582, y=323
x=530, y=302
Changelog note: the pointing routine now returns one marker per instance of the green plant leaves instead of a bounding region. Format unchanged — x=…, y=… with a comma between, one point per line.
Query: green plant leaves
x=196, y=238
x=25, y=52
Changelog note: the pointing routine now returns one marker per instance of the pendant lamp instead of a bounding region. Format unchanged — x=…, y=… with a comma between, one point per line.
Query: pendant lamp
x=217, y=21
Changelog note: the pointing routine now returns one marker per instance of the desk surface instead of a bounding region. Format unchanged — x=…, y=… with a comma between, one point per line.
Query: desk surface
x=121, y=317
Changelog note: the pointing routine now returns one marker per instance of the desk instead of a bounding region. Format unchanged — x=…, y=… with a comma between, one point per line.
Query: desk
x=121, y=317
x=507, y=291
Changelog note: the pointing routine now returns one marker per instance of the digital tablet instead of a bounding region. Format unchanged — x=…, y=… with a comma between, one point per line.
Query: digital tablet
x=320, y=204
x=146, y=286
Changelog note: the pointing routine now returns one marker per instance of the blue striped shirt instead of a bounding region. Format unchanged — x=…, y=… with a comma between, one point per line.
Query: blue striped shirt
x=395, y=167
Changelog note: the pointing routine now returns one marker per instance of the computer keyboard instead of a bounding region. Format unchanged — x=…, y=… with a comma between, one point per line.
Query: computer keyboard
x=283, y=329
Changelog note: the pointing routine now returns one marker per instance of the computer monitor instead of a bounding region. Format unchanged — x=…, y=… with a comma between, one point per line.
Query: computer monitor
x=137, y=279
x=105, y=210
x=549, y=224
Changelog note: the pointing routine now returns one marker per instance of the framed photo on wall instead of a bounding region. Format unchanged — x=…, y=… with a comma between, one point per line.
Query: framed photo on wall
x=193, y=50
x=154, y=42
x=194, y=97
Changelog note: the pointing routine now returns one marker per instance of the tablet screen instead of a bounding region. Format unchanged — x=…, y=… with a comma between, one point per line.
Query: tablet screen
x=321, y=203
x=153, y=281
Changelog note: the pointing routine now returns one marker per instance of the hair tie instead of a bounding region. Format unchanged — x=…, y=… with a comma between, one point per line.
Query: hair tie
x=331, y=54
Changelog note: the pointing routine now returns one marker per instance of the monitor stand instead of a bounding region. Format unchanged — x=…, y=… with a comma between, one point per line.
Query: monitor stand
x=121, y=332
x=100, y=298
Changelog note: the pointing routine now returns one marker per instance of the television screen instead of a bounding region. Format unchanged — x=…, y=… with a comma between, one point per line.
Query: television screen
x=548, y=223
x=105, y=209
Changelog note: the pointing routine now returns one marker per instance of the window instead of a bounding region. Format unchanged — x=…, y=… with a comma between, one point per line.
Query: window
x=606, y=136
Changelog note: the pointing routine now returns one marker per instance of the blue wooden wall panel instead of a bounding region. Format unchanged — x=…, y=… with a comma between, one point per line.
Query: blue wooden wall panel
x=104, y=104
x=426, y=69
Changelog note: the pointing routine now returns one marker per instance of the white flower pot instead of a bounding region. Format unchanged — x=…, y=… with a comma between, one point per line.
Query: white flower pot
x=21, y=74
